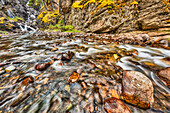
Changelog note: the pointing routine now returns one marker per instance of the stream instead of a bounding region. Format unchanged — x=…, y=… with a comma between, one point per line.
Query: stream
x=76, y=75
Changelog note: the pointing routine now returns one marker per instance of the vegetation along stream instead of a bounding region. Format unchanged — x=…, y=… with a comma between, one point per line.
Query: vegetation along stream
x=84, y=73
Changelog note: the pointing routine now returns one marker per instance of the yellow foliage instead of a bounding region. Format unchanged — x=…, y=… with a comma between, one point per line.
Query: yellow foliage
x=48, y=16
x=101, y=2
x=89, y=2
x=2, y=20
x=104, y=3
x=77, y=5
x=41, y=15
x=135, y=3
x=167, y=4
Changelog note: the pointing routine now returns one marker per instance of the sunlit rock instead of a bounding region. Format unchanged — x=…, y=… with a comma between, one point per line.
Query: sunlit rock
x=164, y=74
x=9, y=69
x=137, y=89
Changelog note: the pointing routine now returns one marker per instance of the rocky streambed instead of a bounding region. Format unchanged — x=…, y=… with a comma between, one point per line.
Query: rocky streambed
x=91, y=73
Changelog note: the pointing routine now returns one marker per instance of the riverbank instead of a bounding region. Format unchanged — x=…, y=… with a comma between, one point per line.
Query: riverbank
x=48, y=71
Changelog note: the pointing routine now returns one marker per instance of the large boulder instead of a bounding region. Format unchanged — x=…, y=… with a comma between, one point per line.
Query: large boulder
x=137, y=89
x=164, y=74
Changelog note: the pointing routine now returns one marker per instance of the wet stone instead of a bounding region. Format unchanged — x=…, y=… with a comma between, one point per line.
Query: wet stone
x=10, y=68
x=114, y=105
x=164, y=74
x=89, y=82
x=42, y=66
x=137, y=89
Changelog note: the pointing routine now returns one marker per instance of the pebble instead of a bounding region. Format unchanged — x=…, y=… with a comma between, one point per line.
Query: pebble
x=10, y=68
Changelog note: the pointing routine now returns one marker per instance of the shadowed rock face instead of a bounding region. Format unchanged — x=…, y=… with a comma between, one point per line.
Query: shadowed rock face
x=137, y=89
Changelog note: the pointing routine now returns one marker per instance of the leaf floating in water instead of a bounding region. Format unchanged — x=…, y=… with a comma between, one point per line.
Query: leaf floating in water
x=69, y=107
x=74, y=77
x=43, y=66
x=116, y=56
x=54, y=49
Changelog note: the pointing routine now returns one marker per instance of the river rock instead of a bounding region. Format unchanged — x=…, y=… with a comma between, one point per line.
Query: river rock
x=164, y=74
x=10, y=68
x=137, y=89
x=114, y=105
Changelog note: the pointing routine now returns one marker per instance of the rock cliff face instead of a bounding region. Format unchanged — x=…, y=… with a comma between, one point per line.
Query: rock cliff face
x=92, y=15
x=122, y=17
x=15, y=13
x=153, y=14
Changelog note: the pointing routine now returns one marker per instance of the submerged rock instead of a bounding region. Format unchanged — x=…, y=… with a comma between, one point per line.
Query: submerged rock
x=114, y=105
x=137, y=89
x=42, y=66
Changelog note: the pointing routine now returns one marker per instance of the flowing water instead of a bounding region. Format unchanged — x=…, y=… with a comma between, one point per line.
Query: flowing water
x=99, y=64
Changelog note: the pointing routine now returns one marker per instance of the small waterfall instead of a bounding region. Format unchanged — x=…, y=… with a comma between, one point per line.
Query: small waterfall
x=23, y=26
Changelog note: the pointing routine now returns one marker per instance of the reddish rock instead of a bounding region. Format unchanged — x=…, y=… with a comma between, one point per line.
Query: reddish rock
x=74, y=77
x=66, y=56
x=27, y=80
x=42, y=66
x=114, y=105
x=137, y=89
x=164, y=74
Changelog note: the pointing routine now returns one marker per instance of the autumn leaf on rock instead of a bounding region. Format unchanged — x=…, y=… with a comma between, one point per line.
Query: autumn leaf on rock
x=27, y=80
x=74, y=77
